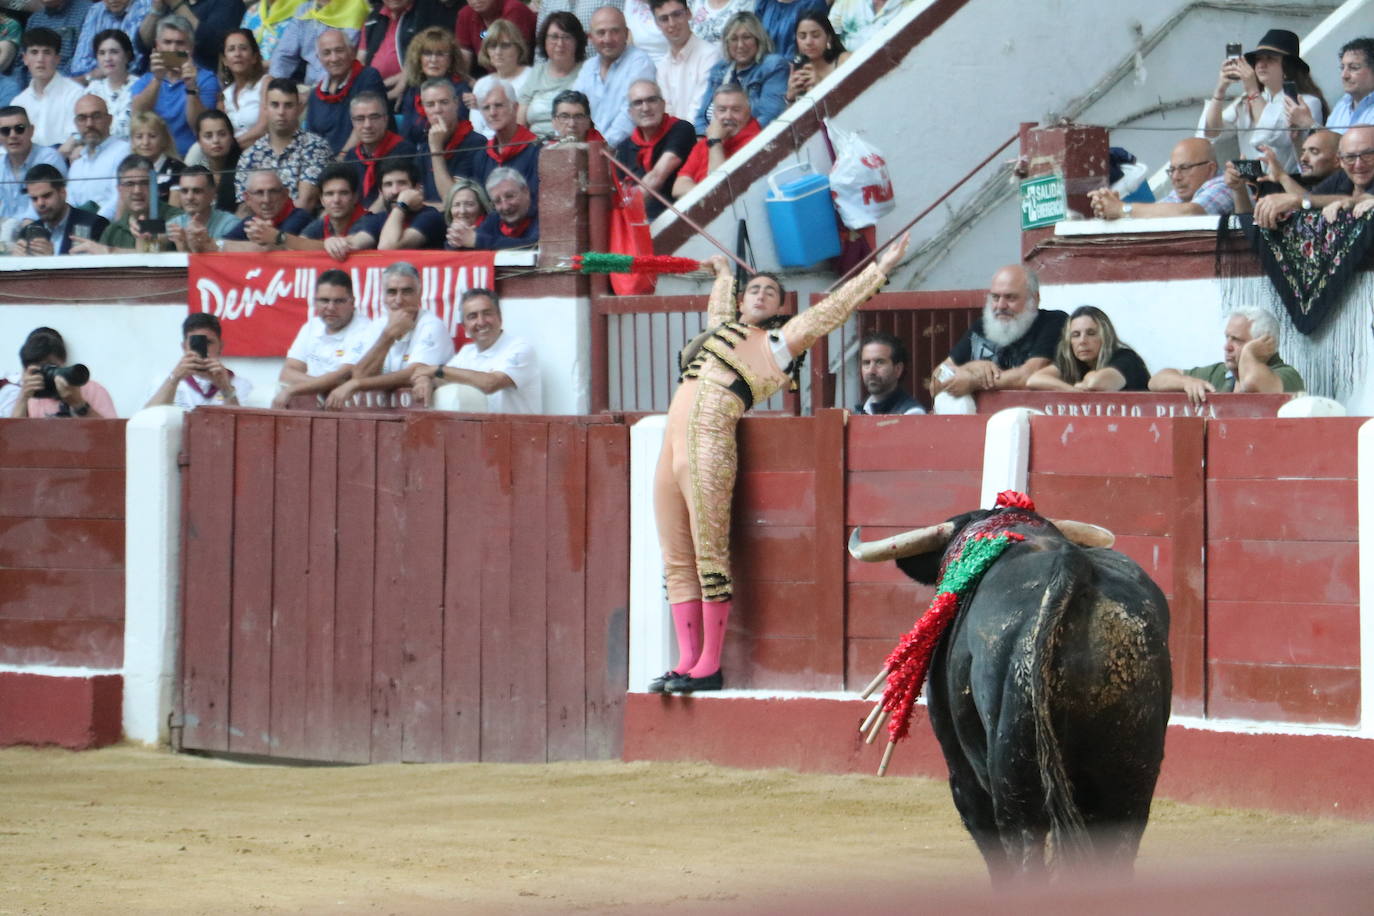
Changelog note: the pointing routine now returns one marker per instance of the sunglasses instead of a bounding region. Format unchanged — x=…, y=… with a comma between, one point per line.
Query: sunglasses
x=17, y=129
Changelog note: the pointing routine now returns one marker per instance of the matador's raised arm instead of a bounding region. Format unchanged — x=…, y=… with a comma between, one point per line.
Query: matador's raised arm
x=721, y=307
x=827, y=315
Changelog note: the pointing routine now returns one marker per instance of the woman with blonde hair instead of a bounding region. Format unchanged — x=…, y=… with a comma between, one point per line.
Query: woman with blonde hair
x=465, y=206
x=1090, y=357
x=150, y=138
x=433, y=54
x=747, y=59
x=504, y=54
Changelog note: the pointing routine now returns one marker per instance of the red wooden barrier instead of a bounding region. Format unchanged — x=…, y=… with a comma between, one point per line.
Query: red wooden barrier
x=1143, y=480
x=1132, y=404
x=62, y=542
x=902, y=473
x=404, y=587
x=1283, y=570
x=788, y=563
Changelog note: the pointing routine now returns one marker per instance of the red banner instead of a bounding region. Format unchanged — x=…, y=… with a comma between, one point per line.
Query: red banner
x=262, y=300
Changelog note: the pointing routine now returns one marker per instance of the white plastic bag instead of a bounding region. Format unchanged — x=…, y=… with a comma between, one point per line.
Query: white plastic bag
x=859, y=181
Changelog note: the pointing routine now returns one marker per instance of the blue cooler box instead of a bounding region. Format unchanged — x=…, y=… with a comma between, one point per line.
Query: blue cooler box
x=802, y=217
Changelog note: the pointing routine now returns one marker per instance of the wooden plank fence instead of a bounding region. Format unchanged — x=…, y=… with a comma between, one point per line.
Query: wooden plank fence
x=404, y=587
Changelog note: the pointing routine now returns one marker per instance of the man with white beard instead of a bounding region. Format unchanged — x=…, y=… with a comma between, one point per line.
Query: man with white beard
x=1011, y=341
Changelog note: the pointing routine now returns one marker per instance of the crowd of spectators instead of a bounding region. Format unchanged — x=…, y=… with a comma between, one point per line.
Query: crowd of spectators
x=1015, y=344
x=462, y=92
x=336, y=125
x=1297, y=150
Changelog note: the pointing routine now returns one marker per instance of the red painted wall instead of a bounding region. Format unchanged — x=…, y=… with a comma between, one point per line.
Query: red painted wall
x=901, y=473
x=1283, y=570
x=62, y=542
x=404, y=587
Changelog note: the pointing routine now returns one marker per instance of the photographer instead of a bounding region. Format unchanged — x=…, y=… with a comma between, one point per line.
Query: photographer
x=50, y=388
x=199, y=378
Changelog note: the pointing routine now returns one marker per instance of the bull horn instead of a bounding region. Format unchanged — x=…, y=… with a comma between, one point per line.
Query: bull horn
x=1084, y=534
x=906, y=544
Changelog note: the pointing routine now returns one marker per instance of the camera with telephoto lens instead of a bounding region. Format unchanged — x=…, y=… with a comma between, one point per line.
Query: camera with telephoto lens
x=1249, y=169
x=75, y=375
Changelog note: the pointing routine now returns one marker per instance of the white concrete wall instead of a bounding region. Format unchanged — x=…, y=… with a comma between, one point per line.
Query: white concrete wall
x=152, y=572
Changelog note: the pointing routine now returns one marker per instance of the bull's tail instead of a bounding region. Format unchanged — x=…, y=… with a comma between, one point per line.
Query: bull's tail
x=1068, y=832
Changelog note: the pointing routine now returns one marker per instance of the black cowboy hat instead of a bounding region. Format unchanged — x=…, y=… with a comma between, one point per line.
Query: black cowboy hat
x=1280, y=41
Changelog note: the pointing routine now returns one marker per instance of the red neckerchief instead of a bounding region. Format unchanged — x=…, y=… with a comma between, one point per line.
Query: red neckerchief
x=358, y=211
x=523, y=137
x=206, y=393
x=746, y=133
x=646, y=144
x=594, y=136
x=460, y=133
x=342, y=93
x=286, y=210
x=513, y=232
x=384, y=146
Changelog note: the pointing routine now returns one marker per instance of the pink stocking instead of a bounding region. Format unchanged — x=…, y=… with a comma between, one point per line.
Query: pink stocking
x=687, y=626
x=714, y=616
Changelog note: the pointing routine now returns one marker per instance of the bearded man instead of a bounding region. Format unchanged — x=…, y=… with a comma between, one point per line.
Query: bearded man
x=1011, y=341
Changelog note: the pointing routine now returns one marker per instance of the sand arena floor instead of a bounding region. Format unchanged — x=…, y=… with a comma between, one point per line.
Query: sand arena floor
x=130, y=830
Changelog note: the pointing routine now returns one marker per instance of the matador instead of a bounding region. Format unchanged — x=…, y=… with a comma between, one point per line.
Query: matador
x=743, y=358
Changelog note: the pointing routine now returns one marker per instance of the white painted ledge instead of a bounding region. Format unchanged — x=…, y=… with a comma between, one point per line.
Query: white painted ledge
x=152, y=570
x=1006, y=453
x=1080, y=227
x=651, y=634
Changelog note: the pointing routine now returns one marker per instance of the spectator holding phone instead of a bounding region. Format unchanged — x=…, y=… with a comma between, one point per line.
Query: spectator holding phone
x=1317, y=159
x=199, y=378
x=819, y=52
x=175, y=87
x=140, y=223
x=49, y=387
x=57, y=223
x=1274, y=81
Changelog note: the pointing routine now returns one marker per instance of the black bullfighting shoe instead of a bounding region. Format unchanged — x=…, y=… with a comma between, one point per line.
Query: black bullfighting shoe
x=660, y=683
x=685, y=683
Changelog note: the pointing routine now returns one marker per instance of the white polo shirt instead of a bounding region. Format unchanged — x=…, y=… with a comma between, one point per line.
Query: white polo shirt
x=429, y=342
x=324, y=352
x=515, y=358
x=193, y=392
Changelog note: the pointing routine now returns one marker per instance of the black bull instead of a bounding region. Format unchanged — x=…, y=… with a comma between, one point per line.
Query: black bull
x=1049, y=694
